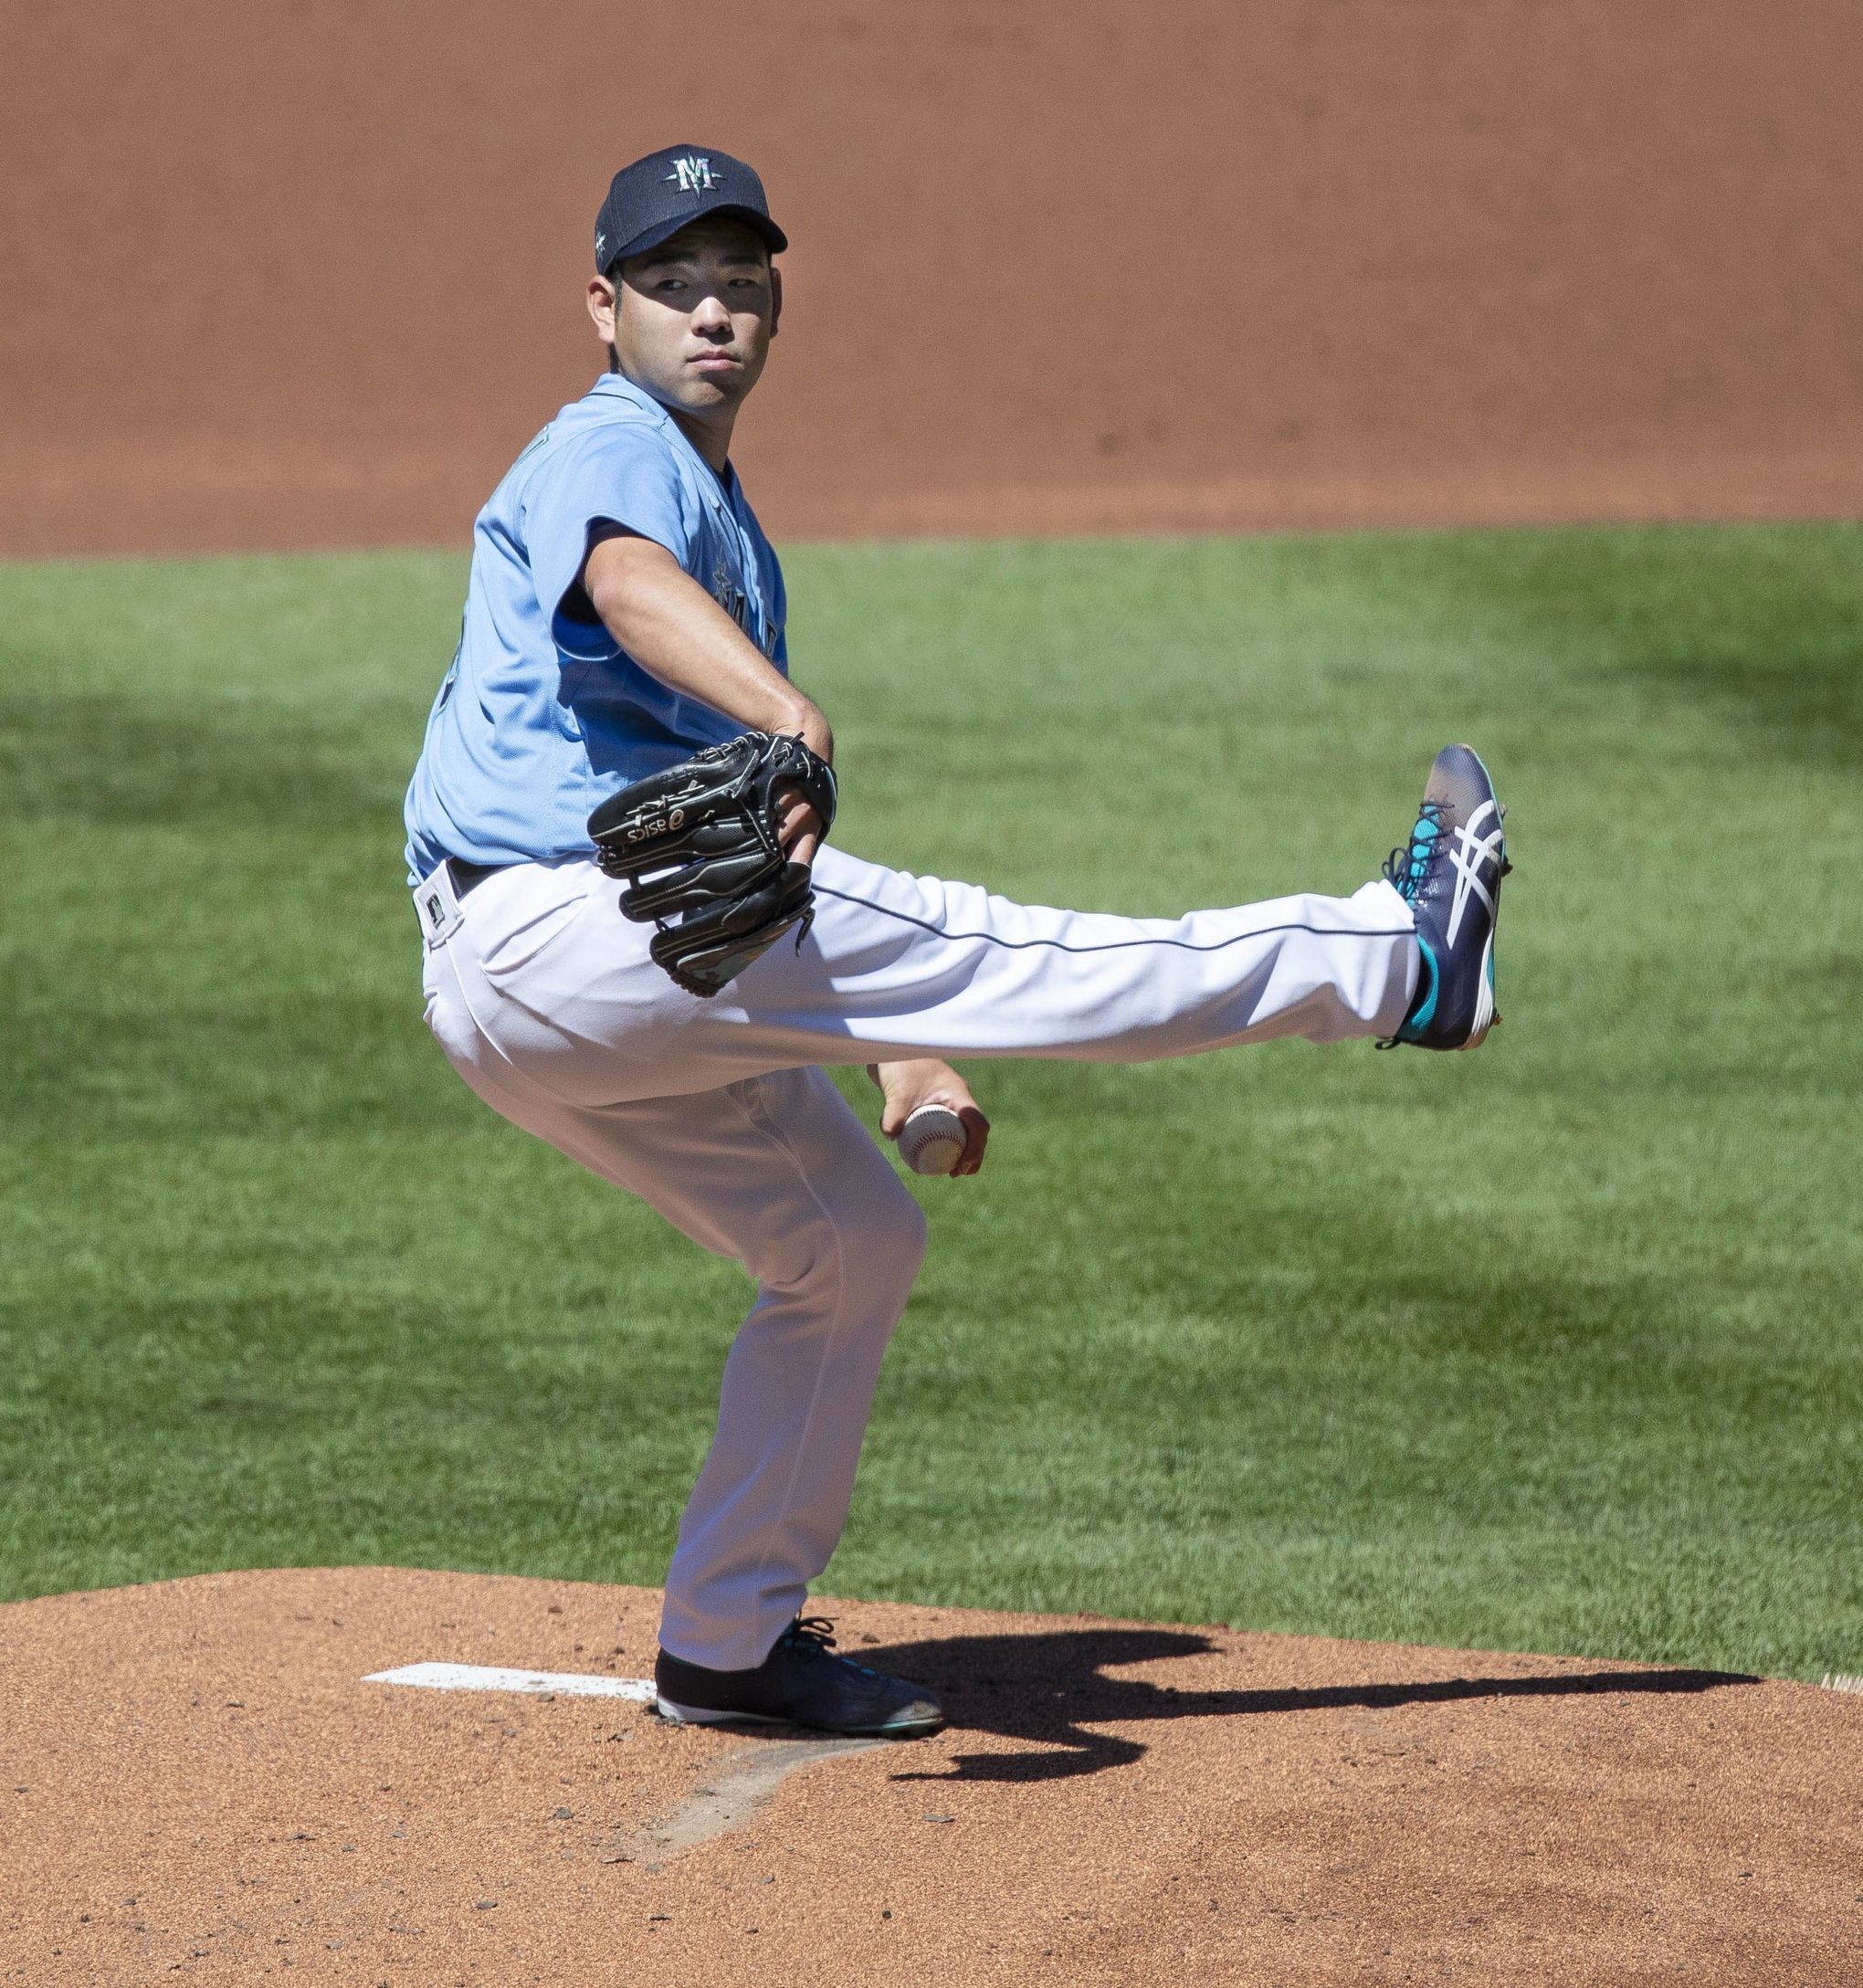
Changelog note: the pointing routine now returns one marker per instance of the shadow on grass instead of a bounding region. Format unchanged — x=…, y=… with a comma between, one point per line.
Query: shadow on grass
x=1047, y=1689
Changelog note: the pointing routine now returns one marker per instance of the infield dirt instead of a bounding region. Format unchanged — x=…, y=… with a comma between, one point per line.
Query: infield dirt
x=303, y=275
x=204, y=1787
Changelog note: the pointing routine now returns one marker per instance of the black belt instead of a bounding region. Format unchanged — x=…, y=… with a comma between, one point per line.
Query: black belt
x=467, y=876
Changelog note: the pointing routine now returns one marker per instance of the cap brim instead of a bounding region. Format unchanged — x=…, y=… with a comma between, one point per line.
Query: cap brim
x=775, y=240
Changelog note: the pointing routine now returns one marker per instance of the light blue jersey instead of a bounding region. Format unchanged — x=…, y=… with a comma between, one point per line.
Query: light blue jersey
x=542, y=716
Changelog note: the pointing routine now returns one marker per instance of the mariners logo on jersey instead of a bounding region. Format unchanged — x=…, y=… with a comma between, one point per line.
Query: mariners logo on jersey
x=693, y=174
x=729, y=594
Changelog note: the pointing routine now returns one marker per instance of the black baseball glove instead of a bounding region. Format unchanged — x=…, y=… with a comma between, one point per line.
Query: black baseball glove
x=698, y=843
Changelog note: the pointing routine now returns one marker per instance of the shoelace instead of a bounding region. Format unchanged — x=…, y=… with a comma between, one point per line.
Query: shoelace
x=813, y=1636
x=1406, y=866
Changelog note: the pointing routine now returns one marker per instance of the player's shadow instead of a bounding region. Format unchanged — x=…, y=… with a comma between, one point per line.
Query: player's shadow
x=1050, y=1689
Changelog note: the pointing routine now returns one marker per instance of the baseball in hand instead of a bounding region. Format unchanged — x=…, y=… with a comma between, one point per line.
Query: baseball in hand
x=932, y=1141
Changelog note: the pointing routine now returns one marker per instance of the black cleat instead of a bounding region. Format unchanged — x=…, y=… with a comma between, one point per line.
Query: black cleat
x=800, y=1683
x=1450, y=874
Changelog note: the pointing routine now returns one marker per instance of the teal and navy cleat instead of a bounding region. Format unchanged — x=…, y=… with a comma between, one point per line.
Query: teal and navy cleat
x=801, y=1683
x=1450, y=874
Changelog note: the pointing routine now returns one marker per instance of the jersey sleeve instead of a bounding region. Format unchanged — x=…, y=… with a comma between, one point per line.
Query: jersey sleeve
x=624, y=475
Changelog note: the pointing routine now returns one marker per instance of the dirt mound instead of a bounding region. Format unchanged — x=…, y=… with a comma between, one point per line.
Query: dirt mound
x=280, y=277
x=203, y=1783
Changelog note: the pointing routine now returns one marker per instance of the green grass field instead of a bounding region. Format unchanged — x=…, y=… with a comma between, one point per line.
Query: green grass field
x=1555, y=1347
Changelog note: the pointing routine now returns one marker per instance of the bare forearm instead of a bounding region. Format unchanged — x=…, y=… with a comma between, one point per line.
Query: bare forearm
x=674, y=629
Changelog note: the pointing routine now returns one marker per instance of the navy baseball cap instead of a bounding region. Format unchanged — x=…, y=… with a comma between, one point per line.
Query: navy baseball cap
x=651, y=200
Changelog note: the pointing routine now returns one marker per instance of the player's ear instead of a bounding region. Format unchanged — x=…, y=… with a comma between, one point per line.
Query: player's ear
x=775, y=297
x=602, y=307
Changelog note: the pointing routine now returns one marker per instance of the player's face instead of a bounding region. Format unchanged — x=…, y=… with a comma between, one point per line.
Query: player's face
x=693, y=319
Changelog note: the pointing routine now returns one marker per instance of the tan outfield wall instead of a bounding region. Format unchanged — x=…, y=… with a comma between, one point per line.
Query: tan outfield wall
x=288, y=274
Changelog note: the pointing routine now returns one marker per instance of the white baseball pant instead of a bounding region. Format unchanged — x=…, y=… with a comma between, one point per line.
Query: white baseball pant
x=718, y=1114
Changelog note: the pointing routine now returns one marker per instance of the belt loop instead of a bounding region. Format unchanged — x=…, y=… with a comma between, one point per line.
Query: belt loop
x=436, y=905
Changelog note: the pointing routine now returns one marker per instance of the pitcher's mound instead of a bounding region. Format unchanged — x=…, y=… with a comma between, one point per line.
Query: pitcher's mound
x=200, y=1783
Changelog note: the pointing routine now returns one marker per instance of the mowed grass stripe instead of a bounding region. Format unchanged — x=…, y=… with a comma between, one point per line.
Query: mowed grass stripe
x=1554, y=1347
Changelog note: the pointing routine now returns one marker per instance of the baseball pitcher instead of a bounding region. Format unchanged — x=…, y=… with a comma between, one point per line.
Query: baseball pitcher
x=640, y=946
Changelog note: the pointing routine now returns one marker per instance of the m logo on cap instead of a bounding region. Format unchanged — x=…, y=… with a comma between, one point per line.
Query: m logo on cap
x=693, y=175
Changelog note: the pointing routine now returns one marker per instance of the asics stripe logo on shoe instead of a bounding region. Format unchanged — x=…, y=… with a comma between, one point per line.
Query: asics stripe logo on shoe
x=1467, y=854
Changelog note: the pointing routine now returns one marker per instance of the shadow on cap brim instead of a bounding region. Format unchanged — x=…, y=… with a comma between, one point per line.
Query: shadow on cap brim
x=759, y=224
